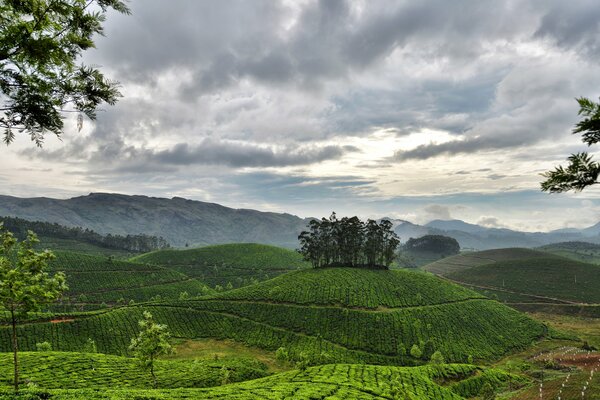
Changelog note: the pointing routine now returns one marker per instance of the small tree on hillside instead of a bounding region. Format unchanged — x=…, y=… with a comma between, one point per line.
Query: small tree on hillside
x=25, y=286
x=152, y=342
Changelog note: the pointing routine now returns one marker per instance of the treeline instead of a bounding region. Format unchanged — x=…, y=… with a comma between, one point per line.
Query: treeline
x=433, y=243
x=133, y=243
x=348, y=242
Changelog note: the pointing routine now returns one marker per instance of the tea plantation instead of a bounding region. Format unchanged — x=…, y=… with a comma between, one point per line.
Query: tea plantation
x=94, y=280
x=238, y=264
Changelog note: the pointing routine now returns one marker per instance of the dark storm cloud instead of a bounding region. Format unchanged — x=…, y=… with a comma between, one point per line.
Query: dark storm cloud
x=244, y=155
x=573, y=26
x=223, y=42
x=116, y=156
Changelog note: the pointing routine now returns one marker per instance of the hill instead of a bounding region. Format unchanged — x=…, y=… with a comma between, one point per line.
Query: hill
x=178, y=220
x=327, y=315
x=580, y=251
x=523, y=275
x=94, y=280
x=333, y=382
x=238, y=264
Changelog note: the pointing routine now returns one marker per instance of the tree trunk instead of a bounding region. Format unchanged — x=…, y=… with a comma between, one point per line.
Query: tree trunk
x=152, y=372
x=15, y=345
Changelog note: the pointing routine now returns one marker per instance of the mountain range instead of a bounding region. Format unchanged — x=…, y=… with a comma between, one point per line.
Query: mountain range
x=195, y=223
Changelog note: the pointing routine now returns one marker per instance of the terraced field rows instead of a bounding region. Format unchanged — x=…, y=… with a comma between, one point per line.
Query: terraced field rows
x=340, y=286
x=94, y=280
x=333, y=382
x=239, y=264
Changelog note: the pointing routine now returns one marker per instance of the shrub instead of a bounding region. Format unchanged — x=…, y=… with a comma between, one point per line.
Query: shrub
x=44, y=346
x=415, y=351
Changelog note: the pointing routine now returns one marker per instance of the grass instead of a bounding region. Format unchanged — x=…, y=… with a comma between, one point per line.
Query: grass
x=186, y=349
x=238, y=264
x=587, y=329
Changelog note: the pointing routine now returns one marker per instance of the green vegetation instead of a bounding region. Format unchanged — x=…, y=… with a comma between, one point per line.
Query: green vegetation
x=341, y=381
x=580, y=251
x=433, y=244
x=25, y=286
x=356, y=316
x=76, y=370
x=40, y=45
x=60, y=237
x=97, y=281
x=474, y=259
x=348, y=242
x=581, y=171
x=239, y=264
x=352, y=288
x=151, y=342
x=554, y=278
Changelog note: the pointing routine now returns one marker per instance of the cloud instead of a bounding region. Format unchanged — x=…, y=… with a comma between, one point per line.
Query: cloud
x=471, y=97
x=436, y=211
x=490, y=222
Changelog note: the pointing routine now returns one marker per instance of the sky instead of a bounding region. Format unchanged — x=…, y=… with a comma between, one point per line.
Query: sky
x=414, y=110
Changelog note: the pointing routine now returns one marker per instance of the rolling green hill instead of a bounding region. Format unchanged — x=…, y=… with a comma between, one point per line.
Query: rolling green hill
x=468, y=260
x=357, y=316
x=580, y=251
x=523, y=276
x=94, y=280
x=332, y=382
x=239, y=264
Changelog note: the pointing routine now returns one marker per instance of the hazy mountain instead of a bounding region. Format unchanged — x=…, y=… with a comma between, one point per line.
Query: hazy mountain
x=182, y=221
x=178, y=220
x=455, y=225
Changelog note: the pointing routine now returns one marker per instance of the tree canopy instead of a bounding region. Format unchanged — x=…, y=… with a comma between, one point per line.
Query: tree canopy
x=40, y=78
x=348, y=242
x=581, y=170
x=433, y=243
x=152, y=342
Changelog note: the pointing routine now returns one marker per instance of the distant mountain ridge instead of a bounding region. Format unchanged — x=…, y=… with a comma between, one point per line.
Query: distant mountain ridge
x=178, y=220
x=196, y=223
x=477, y=237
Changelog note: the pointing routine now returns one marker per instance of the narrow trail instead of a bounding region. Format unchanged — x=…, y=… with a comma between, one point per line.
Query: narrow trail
x=378, y=309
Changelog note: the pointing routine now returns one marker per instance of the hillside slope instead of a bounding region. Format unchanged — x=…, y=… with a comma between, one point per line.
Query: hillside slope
x=178, y=220
x=358, y=316
x=94, y=280
x=238, y=263
x=523, y=275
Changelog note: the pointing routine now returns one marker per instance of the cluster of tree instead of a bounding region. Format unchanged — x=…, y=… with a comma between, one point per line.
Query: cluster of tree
x=434, y=244
x=348, y=242
x=133, y=243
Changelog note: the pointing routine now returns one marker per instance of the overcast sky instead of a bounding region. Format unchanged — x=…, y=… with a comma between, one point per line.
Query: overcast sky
x=409, y=109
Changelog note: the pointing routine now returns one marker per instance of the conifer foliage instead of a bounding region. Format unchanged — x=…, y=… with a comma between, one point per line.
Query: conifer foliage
x=349, y=242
